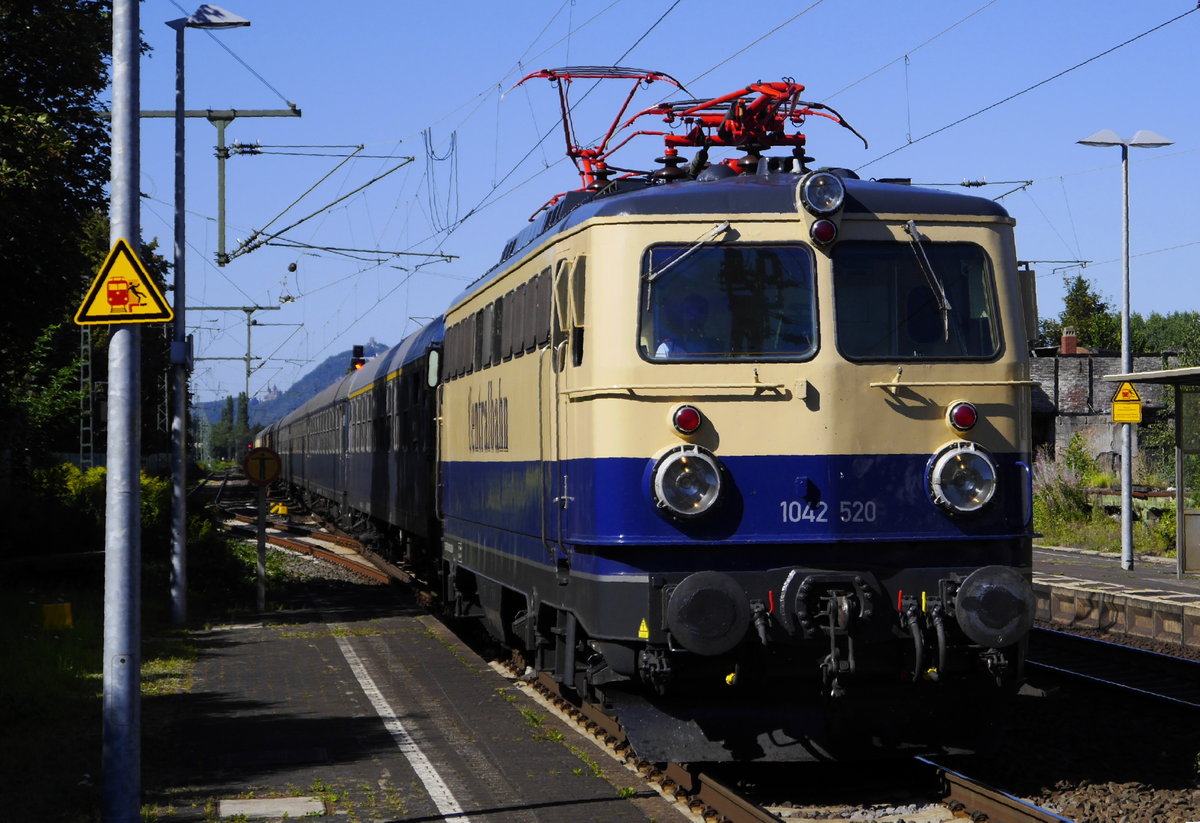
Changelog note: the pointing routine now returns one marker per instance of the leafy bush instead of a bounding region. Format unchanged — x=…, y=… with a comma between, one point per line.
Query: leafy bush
x=1057, y=486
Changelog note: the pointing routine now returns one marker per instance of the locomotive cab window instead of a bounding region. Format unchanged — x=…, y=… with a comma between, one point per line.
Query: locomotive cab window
x=735, y=302
x=891, y=306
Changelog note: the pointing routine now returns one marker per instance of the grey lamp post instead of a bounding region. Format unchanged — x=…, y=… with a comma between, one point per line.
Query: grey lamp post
x=1146, y=140
x=205, y=17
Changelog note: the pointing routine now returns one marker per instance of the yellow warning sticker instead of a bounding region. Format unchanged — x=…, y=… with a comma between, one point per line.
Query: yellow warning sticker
x=123, y=292
x=1126, y=392
x=643, y=630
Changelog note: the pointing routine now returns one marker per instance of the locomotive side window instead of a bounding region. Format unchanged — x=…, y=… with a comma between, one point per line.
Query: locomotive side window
x=735, y=302
x=541, y=310
x=517, y=322
x=889, y=308
x=497, y=312
x=485, y=335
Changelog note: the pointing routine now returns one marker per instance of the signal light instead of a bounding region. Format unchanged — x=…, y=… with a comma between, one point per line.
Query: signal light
x=357, y=360
x=824, y=231
x=687, y=419
x=963, y=416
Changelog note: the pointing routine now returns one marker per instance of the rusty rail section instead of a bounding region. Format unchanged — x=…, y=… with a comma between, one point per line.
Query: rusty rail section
x=983, y=802
x=349, y=558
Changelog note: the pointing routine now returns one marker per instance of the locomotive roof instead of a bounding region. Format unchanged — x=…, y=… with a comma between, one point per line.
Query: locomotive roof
x=771, y=193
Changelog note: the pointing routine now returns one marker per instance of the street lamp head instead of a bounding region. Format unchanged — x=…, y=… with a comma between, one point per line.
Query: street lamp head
x=1144, y=139
x=209, y=16
x=1149, y=140
x=1104, y=137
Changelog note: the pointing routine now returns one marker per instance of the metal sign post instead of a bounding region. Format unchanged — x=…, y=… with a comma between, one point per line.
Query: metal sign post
x=122, y=754
x=1187, y=443
x=262, y=469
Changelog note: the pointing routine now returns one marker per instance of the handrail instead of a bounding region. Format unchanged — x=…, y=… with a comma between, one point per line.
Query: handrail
x=893, y=384
x=666, y=387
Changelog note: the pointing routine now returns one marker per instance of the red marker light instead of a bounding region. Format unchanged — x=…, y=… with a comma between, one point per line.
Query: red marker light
x=824, y=231
x=963, y=416
x=687, y=419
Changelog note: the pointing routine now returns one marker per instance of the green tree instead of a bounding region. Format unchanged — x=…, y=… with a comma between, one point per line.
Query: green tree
x=1096, y=325
x=1178, y=332
x=53, y=170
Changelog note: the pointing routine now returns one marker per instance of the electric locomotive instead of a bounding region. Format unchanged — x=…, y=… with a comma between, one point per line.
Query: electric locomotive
x=739, y=447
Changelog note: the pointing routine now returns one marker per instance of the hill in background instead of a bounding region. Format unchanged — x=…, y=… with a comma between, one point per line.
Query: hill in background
x=277, y=403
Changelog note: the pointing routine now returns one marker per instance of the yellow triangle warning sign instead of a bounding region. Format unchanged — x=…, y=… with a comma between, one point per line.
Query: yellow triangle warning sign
x=1126, y=392
x=123, y=292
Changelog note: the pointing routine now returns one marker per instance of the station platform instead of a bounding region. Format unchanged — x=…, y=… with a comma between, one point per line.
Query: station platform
x=1090, y=590
x=361, y=707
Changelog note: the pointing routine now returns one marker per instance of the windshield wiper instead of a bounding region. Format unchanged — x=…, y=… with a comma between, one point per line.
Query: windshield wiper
x=935, y=285
x=708, y=237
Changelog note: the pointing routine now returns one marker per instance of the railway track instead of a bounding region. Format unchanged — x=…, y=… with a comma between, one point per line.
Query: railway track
x=716, y=796
x=1162, y=677
x=331, y=548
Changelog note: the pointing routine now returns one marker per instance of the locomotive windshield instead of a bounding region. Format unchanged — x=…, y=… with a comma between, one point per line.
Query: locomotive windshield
x=728, y=303
x=891, y=306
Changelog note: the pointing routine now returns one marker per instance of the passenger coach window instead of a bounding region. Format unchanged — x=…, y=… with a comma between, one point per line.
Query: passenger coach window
x=889, y=308
x=728, y=303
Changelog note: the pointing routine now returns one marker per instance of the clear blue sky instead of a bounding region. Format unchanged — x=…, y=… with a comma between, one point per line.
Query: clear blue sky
x=434, y=81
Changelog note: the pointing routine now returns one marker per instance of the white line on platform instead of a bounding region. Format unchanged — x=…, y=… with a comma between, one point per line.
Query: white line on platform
x=439, y=792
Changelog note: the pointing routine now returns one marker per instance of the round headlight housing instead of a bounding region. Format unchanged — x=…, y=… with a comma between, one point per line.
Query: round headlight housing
x=962, y=478
x=687, y=481
x=822, y=192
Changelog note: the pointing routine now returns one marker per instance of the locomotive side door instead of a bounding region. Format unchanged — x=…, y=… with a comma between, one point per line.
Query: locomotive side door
x=566, y=320
x=551, y=378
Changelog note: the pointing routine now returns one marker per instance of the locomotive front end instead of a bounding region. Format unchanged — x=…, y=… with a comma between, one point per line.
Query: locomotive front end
x=836, y=499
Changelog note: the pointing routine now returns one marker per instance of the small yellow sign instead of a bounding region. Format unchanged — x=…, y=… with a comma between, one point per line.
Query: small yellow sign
x=123, y=292
x=1126, y=404
x=643, y=630
x=1127, y=411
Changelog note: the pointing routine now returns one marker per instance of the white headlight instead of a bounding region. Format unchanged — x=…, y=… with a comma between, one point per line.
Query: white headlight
x=963, y=478
x=822, y=192
x=687, y=481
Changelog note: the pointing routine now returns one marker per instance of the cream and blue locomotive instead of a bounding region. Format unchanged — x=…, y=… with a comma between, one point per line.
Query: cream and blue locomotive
x=741, y=448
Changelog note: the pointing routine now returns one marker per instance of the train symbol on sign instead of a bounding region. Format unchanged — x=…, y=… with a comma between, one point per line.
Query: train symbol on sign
x=122, y=296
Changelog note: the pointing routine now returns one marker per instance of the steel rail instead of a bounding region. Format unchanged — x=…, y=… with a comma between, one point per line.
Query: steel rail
x=978, y=799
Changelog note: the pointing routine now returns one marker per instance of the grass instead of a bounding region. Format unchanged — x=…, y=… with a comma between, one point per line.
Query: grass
x=52, y=693
x=50, y=706
x=1099, y=532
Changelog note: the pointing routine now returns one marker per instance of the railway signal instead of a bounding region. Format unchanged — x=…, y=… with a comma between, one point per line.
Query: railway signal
x=357, y=360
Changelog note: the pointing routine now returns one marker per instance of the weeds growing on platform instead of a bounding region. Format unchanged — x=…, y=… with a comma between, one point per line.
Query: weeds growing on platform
x=1066, y=514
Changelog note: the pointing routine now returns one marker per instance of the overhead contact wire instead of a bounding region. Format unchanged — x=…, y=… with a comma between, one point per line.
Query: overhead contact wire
x=1037, y=85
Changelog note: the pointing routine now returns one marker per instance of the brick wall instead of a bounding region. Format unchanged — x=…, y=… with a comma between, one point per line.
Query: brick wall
x=1074, y=397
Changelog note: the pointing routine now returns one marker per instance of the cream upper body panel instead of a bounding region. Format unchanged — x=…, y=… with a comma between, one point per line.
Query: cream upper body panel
x=605, y=397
